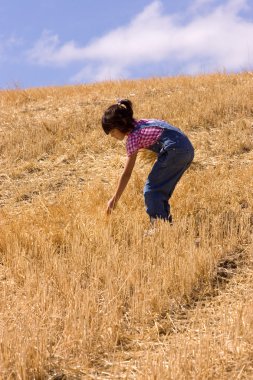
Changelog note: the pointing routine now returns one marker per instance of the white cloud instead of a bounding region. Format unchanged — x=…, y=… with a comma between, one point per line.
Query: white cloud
x=100, y=73
x=47, y=51
x=214, y=40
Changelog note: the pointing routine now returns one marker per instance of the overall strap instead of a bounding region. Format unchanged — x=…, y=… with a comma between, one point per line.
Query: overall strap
x=154, y=123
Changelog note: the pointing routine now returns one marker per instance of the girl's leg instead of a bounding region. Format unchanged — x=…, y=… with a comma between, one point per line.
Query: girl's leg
x=157, y=205
x=162, y=180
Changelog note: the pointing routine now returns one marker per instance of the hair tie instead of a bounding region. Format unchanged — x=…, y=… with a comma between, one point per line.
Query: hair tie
x=120, y=104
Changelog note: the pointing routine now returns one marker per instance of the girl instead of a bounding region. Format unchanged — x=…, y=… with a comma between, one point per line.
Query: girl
x=174, y=155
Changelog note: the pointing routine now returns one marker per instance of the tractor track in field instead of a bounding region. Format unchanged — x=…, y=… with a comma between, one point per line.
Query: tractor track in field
x=203, y=315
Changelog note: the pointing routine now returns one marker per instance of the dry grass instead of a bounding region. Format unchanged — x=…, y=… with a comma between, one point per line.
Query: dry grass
x=87, y=296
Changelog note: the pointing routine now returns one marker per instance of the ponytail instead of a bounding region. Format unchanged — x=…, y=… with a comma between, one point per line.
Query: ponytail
x=119, y=116
x=128, y=104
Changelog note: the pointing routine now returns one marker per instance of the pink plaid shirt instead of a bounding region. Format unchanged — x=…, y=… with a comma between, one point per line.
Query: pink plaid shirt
x=142, y=137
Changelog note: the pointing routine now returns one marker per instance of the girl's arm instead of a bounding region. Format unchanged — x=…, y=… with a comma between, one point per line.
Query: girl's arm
x=122, y=182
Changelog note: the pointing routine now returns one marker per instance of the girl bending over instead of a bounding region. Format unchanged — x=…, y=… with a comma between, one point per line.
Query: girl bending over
x=174, y=155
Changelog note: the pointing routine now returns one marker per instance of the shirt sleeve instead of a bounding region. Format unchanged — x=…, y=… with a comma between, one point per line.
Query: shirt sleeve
x=132, y=143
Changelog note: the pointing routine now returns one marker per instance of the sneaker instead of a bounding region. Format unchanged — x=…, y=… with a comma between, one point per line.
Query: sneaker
x=150, y=232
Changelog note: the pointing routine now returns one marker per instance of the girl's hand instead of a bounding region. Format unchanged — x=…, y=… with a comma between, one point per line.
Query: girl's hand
x=111, y=205
x=122, y=182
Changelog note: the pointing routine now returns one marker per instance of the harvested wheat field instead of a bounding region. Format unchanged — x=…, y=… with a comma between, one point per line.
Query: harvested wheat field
x=87, y=296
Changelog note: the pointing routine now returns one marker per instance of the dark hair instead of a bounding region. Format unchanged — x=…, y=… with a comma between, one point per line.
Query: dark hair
x=119, y=116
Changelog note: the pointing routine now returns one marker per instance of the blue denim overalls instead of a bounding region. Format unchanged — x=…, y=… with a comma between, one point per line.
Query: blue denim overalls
x=174, y=155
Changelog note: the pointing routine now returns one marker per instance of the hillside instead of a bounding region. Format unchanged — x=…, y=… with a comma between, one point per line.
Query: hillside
x=84, y=295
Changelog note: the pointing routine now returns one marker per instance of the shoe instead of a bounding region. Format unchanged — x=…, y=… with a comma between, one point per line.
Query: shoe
x=150, y=232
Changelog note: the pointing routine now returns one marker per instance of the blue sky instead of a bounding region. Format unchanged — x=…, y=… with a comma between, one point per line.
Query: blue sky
x=58, y=42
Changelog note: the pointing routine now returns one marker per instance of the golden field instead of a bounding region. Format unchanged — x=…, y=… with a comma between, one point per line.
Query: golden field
x=87, y=296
